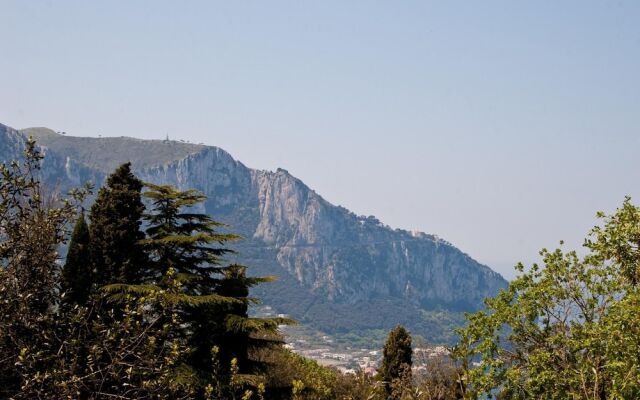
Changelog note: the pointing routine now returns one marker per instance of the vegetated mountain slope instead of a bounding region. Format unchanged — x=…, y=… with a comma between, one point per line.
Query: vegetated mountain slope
x=105, y=154
x=337, y=271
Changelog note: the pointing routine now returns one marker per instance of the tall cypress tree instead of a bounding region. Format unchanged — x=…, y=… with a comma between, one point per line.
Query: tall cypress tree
x=116, y=216
x=77, y=271
x=396, y=360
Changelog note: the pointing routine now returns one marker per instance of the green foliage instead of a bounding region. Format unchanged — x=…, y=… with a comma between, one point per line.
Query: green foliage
x=346, y=319
x=216, y=311
x=32, y=225
x=568, y=329
x=293, y=376
x=141, y=353
x=116, y=216
x=242, y=334
x=77, y=271
x=182, y=239
x=436, y=379
x=98, y=355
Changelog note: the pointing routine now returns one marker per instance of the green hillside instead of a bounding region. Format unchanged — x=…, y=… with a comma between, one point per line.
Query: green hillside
x=105, y=154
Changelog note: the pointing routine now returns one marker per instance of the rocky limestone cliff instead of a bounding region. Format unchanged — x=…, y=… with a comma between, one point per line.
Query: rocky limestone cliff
x=60, y=171
x=329, y=250
x=332, y=265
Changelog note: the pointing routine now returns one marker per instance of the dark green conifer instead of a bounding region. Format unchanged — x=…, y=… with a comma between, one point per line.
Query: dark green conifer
x=396, y=360
x=179, y=238
x=242, y=335
x=115, y=232
x=77, y=271
x=189, y=243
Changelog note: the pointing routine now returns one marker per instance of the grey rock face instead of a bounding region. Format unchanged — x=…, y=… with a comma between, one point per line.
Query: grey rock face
x=60, y=172
x=329, y=250
x=324, y=255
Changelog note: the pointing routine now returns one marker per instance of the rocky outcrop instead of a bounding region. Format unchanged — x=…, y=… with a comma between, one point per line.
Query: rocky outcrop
x=329, y=250
x=60, y=172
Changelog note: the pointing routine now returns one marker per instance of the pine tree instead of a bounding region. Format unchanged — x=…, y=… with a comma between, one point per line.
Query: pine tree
x=189, y=242
x=233, y=336
x=77, y=271
x=115, y=231
x=182, y=239
x=396, y=361
x=241, y=335
x=185, y=241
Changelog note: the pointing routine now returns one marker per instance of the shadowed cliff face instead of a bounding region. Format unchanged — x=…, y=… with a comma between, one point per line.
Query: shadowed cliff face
x=328, y=259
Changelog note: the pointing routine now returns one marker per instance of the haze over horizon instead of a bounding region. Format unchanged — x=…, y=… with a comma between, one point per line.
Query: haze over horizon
x=502, y=128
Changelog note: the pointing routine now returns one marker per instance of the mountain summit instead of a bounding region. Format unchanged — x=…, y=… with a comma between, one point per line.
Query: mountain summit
x=337, y=271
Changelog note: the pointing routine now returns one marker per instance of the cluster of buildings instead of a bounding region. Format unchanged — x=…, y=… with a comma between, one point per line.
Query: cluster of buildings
x=325, y=351
x=350, y=361
x=347, y=361
x=422, y=353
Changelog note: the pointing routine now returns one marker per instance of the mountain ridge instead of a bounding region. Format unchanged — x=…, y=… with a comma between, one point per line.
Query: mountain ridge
x=353, y=271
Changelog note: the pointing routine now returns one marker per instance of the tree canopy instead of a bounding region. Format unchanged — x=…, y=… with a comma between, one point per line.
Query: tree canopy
x=395, y=371
x=568, y=328
x=77, y=273
x=116, y=217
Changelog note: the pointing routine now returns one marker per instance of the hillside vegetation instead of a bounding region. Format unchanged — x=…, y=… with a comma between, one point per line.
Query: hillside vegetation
x=106, y=154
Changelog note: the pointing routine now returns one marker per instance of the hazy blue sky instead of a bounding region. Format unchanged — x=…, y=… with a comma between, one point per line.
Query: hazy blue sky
x=500, y=126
